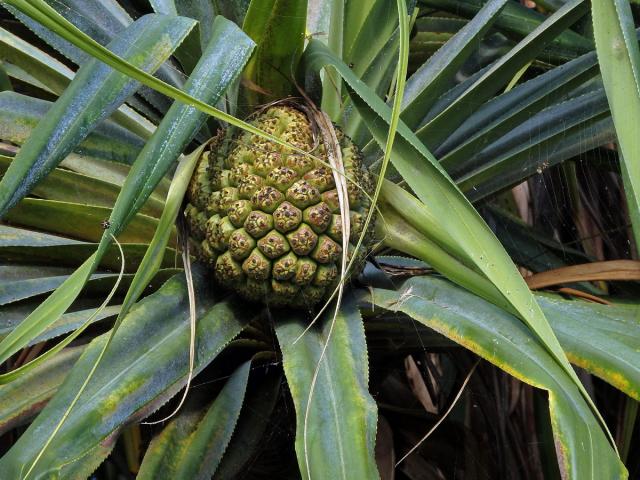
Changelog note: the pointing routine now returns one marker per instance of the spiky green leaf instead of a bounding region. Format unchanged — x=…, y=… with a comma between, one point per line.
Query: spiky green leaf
x=336, y=415
x=146, y=364
x=502, y=339
x=619, y=59
x=95, y=92
x=449, y=208
x=192, y=445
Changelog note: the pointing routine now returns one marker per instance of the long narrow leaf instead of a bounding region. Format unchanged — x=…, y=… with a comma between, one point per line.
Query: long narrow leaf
x=543, y=152
x=378, y=26
x=35, y=62
x=192, y=445
x=606, y=345
x=22, y=282
x=500, y=73
x=341, y=423
x=23, y=399
x=153, y=257
x=582, y=447
x=516, y=20
x=39, y=10
x=71, y=321
x=102, y=20
x=354, y=14
x=454, y=213
x=147, y=364
x=249, y=435
x=500, y=115
x=619, y=59
x=428, y=82
x=20, y=115
x=68, y=186
x=220, y=64
x=332, y=87
x=54, y=76
x=95, y=92
x=379, y=76
x=372, y=58
x=47, y=312
x=90, y=17
x=507, y=160
x=152, y=164
x=28, y=247
x=83, y=222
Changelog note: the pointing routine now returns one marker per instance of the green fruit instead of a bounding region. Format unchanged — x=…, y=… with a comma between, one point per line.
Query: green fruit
x=267, y=219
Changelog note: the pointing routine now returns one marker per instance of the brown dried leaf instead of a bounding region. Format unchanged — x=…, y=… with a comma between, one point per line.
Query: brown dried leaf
x=586, y=272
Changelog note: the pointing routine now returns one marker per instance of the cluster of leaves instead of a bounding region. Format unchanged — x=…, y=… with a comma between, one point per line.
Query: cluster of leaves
x=104, y=109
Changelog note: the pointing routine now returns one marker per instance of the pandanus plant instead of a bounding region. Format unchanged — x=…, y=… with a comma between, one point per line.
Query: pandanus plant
x=190, y=192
